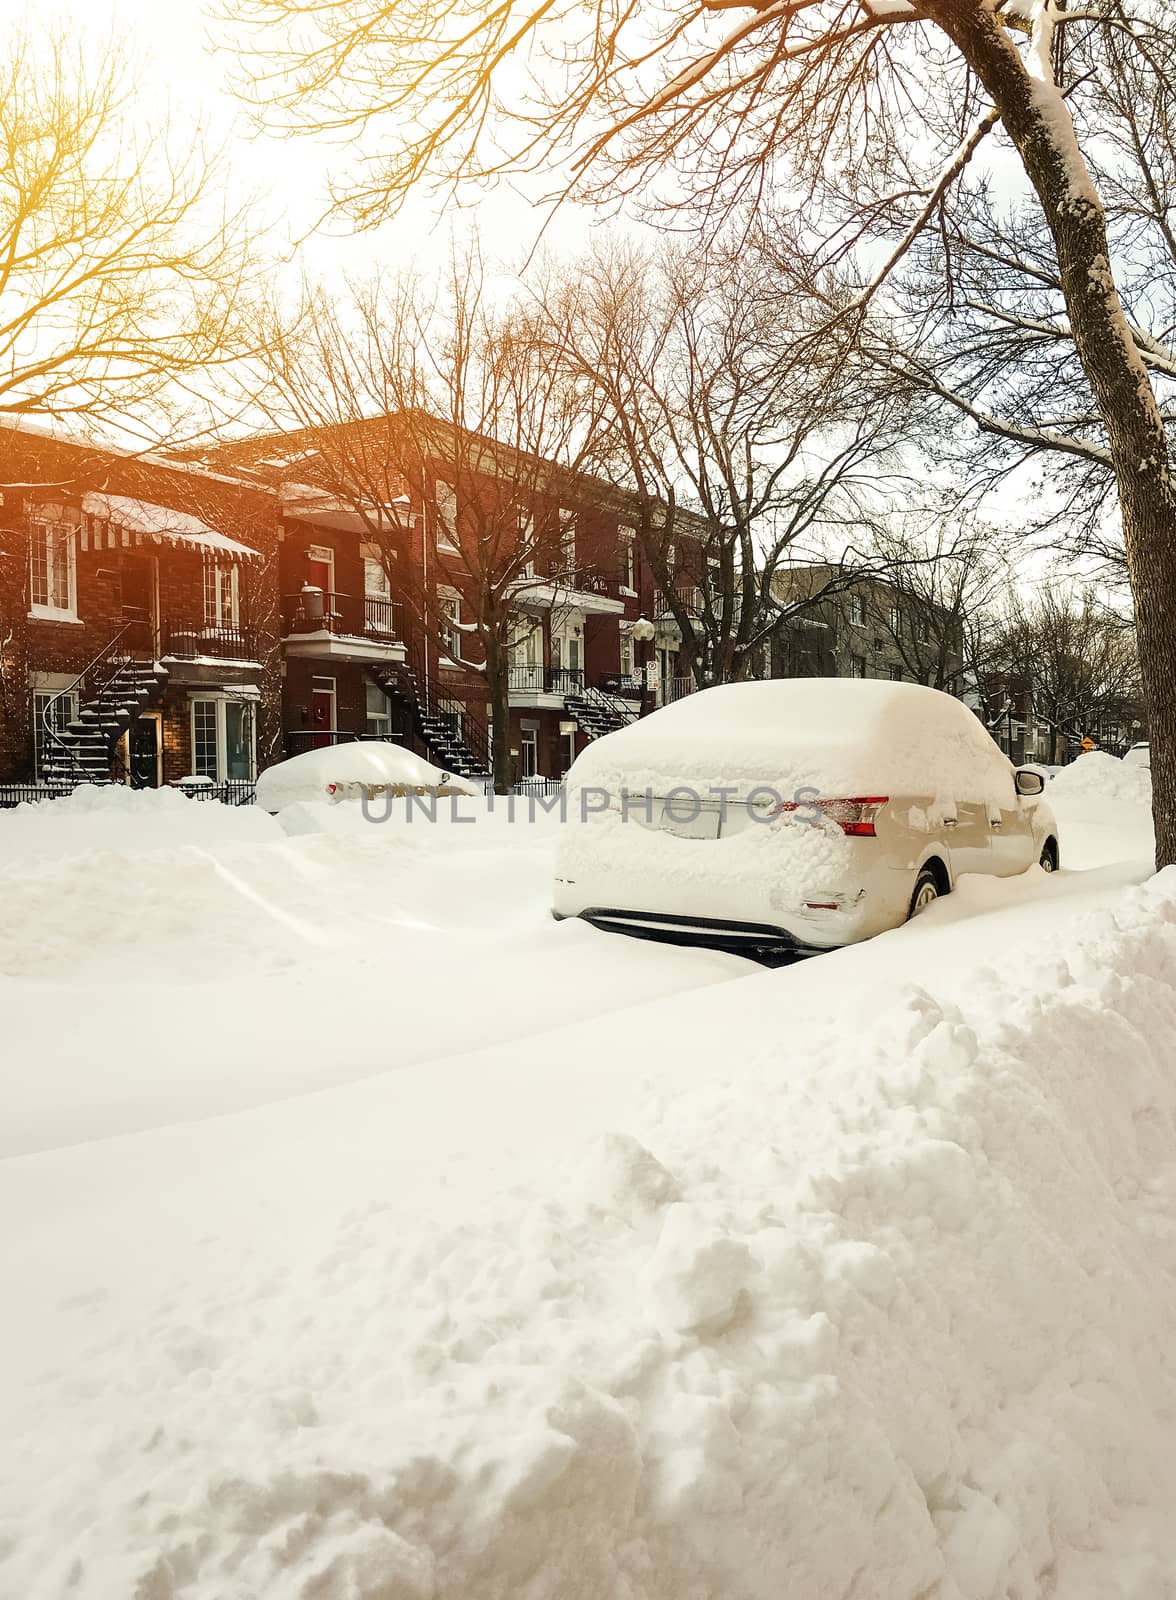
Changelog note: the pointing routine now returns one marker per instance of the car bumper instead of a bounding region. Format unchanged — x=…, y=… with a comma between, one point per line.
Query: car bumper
x=740, y=938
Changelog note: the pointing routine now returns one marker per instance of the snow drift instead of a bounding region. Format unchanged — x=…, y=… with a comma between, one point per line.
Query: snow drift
x=873, y=1297
x=1098, y=776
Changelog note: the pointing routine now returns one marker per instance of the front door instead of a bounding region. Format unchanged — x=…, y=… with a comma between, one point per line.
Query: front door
x=143, y=751
x=322, y=712
x=137, y=575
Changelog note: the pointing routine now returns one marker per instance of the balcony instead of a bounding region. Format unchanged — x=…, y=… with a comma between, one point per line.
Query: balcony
x=326, y=625
x=187, y=643
x=590, y=591
x=543, y=688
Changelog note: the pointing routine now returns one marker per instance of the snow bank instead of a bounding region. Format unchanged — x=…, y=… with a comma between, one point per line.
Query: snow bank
x=308, y=778
x=817, y=1289
x=114, y=817
x=1098, y=776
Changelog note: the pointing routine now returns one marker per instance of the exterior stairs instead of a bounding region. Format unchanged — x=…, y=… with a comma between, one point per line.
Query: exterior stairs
x=449, y=746
x=83, y=751
x=597, y=713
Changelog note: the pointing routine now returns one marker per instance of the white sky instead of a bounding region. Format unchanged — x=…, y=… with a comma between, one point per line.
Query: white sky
x=183, y=73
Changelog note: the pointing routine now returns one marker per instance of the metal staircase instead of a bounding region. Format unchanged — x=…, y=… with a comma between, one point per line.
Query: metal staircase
x=459, y=746
x=597, y=713
x=112, y=690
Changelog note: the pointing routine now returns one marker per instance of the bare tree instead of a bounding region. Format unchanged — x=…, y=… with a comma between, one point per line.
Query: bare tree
x=398, y=394
x=848, y=100
x=746, y=447
x=1062, y=656
x=945, y=577
x=121, y=278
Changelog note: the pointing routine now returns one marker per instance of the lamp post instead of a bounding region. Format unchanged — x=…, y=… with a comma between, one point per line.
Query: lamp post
x=642, y=632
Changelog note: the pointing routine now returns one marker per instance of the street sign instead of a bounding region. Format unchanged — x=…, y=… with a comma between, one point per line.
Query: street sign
x=652, y=676
x=1088, y=743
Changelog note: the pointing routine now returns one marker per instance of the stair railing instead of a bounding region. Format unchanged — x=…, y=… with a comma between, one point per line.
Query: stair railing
x=426, y=696
x=84, y=689
x=612, y=704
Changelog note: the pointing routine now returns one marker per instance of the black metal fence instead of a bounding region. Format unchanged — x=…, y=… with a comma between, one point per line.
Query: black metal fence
x=235, y=793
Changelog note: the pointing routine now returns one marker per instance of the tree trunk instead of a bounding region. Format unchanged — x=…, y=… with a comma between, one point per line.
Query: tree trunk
x=1037, y=120
x=498, y=693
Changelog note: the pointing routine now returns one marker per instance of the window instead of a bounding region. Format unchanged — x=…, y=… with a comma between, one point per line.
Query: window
x=896, y=674
x=375, y=578
x=529, y=753
x=450, y=629
x=446, y=498
x=857, y=610
x=857, y=666
x=62, y=709
x=223, y=740
x=221, y=596
x=627, y=562
x=895, y=621
x=52, y=570
x=379, y=715
x=567, y=541
x=626, y=655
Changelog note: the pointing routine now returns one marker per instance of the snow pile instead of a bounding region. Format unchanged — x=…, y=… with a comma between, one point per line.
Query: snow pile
x=114, y=817
x=840, y=736
x=814, y=1289
x=320, y=775
x=1098, y=776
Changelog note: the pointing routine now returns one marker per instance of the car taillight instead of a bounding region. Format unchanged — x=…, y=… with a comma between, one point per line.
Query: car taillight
x=854, y=817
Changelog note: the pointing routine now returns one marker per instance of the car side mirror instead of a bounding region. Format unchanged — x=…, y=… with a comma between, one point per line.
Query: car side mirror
x=1028, y=781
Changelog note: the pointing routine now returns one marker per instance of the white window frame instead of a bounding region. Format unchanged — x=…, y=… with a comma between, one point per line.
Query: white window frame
x=896, y=620
x=378, y=587
x=221, y=701
x=567, y=541
x=58, y=535
x=445, y=500
x=628, y=655
x=627, y=540
x=529, y=740
x=68, y=713
x=220, y=572
x=857, y=610
x=383, y=717
x=449, y=605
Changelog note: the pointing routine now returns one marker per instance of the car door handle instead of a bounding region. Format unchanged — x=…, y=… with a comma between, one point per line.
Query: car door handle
x=951, y=822
x=997, y=823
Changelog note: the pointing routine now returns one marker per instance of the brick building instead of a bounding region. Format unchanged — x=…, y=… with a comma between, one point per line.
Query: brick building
x=164, y=619
x=136, y=616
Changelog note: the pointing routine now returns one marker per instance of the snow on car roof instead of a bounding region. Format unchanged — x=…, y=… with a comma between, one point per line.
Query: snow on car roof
x=366, y=762
x=843, y=735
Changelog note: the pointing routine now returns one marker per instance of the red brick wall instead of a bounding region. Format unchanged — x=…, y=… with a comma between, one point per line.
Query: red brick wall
x=34, y=468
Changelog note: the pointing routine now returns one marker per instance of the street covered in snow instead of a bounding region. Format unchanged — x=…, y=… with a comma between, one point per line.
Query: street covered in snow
x=369, y=1236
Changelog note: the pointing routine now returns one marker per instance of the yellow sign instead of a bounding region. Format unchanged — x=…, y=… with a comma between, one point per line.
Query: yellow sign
x=1088, y=743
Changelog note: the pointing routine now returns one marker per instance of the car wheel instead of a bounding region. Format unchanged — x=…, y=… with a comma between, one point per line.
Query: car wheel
x=926, y=892
x=1049, y=856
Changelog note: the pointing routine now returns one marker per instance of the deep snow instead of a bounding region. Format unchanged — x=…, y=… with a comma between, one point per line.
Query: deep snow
x=855, y=1277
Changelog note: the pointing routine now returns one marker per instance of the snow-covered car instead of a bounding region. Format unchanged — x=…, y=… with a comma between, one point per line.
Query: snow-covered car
x=797, y=814
x=1139, y=755
x=337, y=772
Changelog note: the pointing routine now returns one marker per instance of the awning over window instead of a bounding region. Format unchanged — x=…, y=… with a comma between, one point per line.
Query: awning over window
x=115, y=520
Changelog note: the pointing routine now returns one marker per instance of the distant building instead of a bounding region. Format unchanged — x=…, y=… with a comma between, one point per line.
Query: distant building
x=863, y=628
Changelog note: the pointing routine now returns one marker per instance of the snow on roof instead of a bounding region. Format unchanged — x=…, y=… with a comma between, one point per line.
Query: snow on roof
x=843, y=735
x=162, y=522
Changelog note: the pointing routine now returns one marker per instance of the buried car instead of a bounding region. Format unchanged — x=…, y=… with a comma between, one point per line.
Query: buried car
x=797, y=814
x=368, y=769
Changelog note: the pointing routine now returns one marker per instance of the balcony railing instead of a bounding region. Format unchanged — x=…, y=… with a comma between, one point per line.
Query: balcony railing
x=342, y=615
x=628, y=685
x=545, y=680
x=188, y=643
